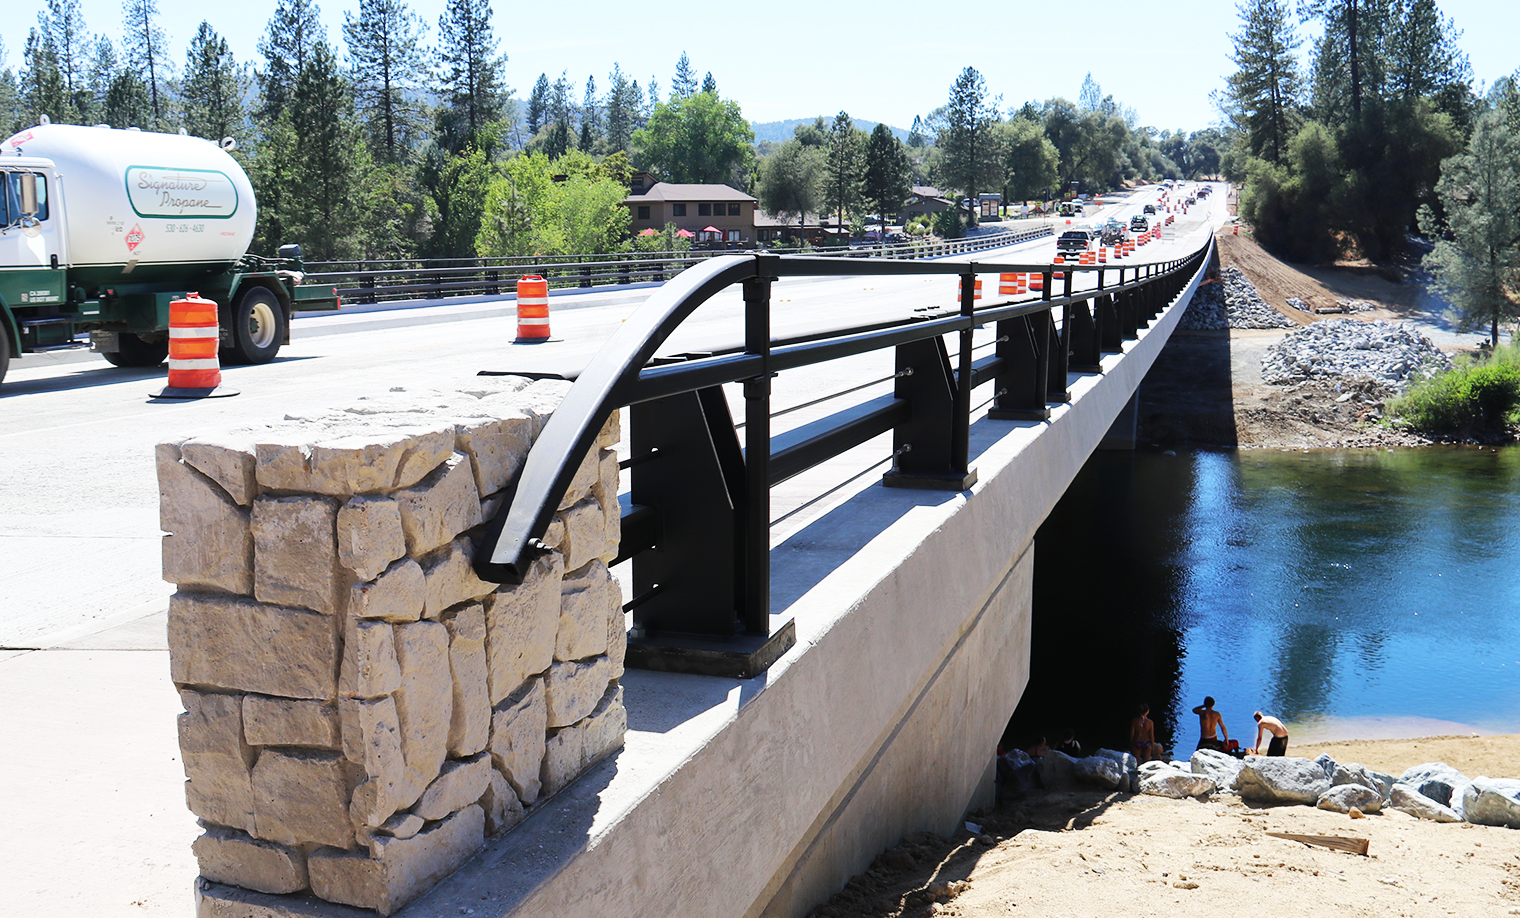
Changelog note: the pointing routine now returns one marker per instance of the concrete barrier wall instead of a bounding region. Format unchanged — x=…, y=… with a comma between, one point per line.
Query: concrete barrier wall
x=361, y=712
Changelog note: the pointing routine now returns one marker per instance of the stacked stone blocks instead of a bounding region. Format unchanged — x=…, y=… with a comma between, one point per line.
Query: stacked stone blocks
x=361, y=711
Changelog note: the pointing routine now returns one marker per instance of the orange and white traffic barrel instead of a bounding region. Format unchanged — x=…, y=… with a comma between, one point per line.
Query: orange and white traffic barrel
x=1009, y=284
x=194, y=339
x=976, y=291
x=532, y=310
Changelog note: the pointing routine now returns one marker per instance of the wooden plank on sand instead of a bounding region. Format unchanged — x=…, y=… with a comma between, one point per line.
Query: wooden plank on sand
x=1334, y=842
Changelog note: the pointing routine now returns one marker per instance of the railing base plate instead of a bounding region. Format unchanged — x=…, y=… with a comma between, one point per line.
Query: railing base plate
x=1019, y=414
x=1085, y=368
x=926, y=482
x=743, y=657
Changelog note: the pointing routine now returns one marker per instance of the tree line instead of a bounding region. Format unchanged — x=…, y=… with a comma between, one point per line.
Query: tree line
x=972, y=144
x=408, y=142
x=1377, y=138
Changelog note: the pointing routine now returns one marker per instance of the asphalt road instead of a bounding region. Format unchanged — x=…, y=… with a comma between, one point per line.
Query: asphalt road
x=79, y=537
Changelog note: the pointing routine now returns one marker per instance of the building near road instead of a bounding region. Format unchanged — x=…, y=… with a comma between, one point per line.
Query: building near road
x=712, y=213
x=925, y=199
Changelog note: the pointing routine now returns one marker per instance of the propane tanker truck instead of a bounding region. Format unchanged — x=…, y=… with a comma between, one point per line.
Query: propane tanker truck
x=100, y=229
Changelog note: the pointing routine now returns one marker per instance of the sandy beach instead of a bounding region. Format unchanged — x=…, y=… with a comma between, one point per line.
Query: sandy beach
x=1082, y=853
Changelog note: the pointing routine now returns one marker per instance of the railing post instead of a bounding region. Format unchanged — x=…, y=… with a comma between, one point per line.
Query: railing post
x=1058, y=347
x=960, y=445
x=756, y=574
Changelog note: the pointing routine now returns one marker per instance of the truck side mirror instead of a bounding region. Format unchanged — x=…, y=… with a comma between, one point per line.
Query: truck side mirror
x=29, y=193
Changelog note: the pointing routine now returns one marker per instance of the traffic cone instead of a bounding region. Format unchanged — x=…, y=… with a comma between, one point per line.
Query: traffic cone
x=532, y=310
x=195, y=371
x=1009, y=284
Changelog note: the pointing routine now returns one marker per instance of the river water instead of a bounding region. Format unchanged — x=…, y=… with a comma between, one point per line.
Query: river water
x=1354, y=594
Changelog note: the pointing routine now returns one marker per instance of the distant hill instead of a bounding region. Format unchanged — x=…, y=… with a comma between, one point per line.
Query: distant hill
x=778, y=131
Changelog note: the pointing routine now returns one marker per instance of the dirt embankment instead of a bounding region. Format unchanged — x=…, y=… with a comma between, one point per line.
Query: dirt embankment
x=1207, y=389
x=1085, y=853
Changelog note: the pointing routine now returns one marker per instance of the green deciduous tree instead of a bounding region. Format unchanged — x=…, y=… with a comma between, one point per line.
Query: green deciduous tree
x=212, y=90
x=388, y=70
x=528, y=212
x=700, y=138
x=791, y=182
x=1476, y=260
x=1264, y=91
x=457, y=184
x=1029, y=159
x=1289, y=203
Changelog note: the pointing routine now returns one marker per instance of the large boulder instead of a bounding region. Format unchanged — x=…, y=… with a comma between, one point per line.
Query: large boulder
x=1057, y=769
x=1360, y=774
x=1127, y=762
x=1435, y=780
x=1344, y=797
x=1223, y=769
x=1408, y=799
x=1101, y=772
x=1165, y=780
x=1281, y=779
x=1492, y=802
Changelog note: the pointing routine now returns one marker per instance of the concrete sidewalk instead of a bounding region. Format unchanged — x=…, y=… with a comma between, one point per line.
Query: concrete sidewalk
x=98, y=822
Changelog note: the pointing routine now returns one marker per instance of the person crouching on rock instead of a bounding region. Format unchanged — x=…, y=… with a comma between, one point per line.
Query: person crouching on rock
x=1209, y=725
x=1142, y=737
x=1266, y=723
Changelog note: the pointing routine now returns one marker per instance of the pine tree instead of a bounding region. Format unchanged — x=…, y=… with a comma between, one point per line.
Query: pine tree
x=212, y=91
x=887, y=181
x=127, y=104
x=387, y=66
x=969, y=160
x=104, y=64
x=1349, y=61
x=842, y=171
x=1425, y=62
x=622, y=110
x=1266, y=88
x=63, y=24
x=590, y=117
x=916, y=133
x=10, y=98
x=538, y=105
x=1090, y=99
x=330, y=161
x=651, y=98
x=147, y=52
x=43, y=91
x=472, y=69
x=1476, y=263
x=709, y=84
x=685, y=82
x=293, y=33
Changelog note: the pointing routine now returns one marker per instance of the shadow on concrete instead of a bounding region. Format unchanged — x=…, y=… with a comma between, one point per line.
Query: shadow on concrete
x=107, y=375
x=1187, y=398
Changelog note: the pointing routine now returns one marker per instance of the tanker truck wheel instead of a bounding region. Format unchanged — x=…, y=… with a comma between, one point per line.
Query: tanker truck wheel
x=135, y=352
x=258, y=326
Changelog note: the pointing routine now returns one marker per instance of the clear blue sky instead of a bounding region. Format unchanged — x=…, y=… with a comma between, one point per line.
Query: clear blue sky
x=883, y=61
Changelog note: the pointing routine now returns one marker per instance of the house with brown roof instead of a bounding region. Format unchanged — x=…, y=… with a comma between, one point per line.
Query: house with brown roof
x=712, y=213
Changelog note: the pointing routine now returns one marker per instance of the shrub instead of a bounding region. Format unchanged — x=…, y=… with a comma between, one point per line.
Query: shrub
x=1479, y=399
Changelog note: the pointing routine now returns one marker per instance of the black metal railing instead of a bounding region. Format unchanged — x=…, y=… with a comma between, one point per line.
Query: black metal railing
x=383, y=281
x=701, y=603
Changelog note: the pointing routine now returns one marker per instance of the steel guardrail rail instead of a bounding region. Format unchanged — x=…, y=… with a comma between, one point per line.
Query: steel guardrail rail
x=444, y=277
x=705, y=501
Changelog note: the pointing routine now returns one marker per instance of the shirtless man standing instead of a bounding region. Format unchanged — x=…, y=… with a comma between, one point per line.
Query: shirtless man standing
x=1209, y=724
x=1266, y=723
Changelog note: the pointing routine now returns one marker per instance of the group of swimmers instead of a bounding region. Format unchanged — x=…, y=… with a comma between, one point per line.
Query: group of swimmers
x=1212, y=734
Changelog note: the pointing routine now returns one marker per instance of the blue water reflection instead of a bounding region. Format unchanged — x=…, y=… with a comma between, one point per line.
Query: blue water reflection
x=1348, y=592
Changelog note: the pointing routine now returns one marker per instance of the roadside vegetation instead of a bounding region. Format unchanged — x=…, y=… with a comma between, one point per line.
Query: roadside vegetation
x=1375, y=135
x=1478, y=399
